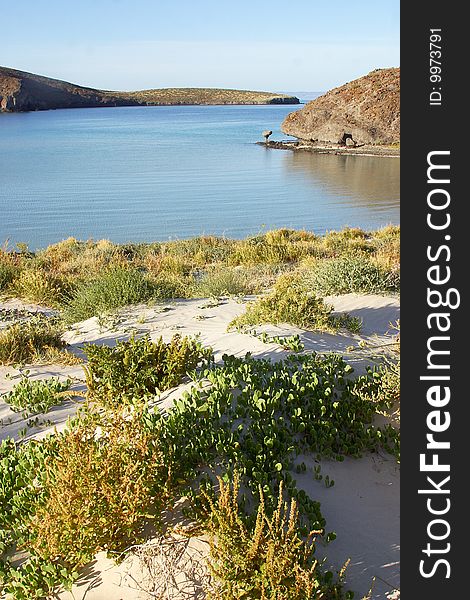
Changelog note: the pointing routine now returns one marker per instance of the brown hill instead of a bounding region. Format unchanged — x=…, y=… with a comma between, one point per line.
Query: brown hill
x=367, y=108
x=21, y=91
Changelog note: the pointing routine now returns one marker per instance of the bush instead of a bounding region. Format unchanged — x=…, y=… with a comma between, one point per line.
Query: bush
x=390, y=385
x=171, y=285
x=138, y=367
x=289, y=302
x=7, y=273
x=222, y=282
x=41, y=287
x=32, y=341
x=37, y=396
x=270, y=561
x=351, y=274
x=21, y=474
x=257, y=417
x=116, y=288
x=274, y=247
x=97, y=490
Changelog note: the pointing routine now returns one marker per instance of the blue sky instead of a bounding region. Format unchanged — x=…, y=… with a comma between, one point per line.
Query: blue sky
x=303, y=45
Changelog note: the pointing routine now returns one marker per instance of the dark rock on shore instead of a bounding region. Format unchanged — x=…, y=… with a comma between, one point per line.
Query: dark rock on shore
x=367, y=109
x=325, y=148
x=22, y=91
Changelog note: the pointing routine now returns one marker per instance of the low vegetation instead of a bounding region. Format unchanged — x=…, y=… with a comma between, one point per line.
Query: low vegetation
x=35, y=340
x=352, y=274
x=291, y=301
x=37, y=396
x=290, y=342
x=270, y=560
x=97, y=490
x=42, y=287
x=118, y=465
x=138, y=367
x=223, y=282
x=7, y=274
x=115, y=288
x=85, y=279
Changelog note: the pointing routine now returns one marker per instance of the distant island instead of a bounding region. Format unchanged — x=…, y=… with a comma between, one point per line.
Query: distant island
x=21, y=91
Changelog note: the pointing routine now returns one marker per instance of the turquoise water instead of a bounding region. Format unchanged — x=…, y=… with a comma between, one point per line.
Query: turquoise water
x=158, y=173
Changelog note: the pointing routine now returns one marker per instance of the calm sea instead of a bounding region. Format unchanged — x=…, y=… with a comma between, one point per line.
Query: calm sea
x=159, y=173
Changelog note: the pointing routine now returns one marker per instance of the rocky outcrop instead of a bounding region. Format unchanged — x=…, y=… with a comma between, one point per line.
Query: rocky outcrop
x=367, y=109
x=21, y=91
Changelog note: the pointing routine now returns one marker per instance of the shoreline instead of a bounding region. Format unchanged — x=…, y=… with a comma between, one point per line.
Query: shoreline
x=302, y=146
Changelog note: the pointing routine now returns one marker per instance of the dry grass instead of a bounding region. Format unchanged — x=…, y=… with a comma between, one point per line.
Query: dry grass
x=171, y=567
x=76, y=274
x=35, y=341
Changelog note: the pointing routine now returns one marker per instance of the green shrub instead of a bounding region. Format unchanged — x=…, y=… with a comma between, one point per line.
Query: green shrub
x=387, y=392
x=390, y=385
x=138, y=366
x=22, y=474
x=270, y=561
x=37, y=396
x=291, y=342
x=41, y=287
x=114, y=289
x=257, y=417
x=350, y=274
x=32, y=341
x=289, y=302
x=69, y=495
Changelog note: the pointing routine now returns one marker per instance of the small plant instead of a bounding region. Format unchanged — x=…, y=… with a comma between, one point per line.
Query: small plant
x=42, y=287
x=289, y=302
x=116, y=288
x=351, y=274
x=36, y=340
x=34, y=579
x=389, y=391
x=270, y=561
x=37, y=396
x=292, y=342
x=7, y=274
x=347, y=321
x=139, y=367
x=222, y=282
x=274, y=247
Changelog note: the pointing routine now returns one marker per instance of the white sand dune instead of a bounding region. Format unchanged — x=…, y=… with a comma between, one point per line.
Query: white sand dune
x=362, y=506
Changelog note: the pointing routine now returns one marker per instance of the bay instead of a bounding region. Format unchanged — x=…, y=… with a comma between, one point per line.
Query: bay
x=172, y=172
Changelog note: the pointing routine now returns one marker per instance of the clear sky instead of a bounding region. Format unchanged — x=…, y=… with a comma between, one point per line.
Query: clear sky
x=275, y=45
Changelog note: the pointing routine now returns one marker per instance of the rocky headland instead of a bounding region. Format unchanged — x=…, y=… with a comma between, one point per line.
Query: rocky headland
x=21, y=91
x=363, y=112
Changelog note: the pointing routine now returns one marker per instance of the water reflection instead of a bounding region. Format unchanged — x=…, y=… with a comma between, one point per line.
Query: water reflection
x=363, y=181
